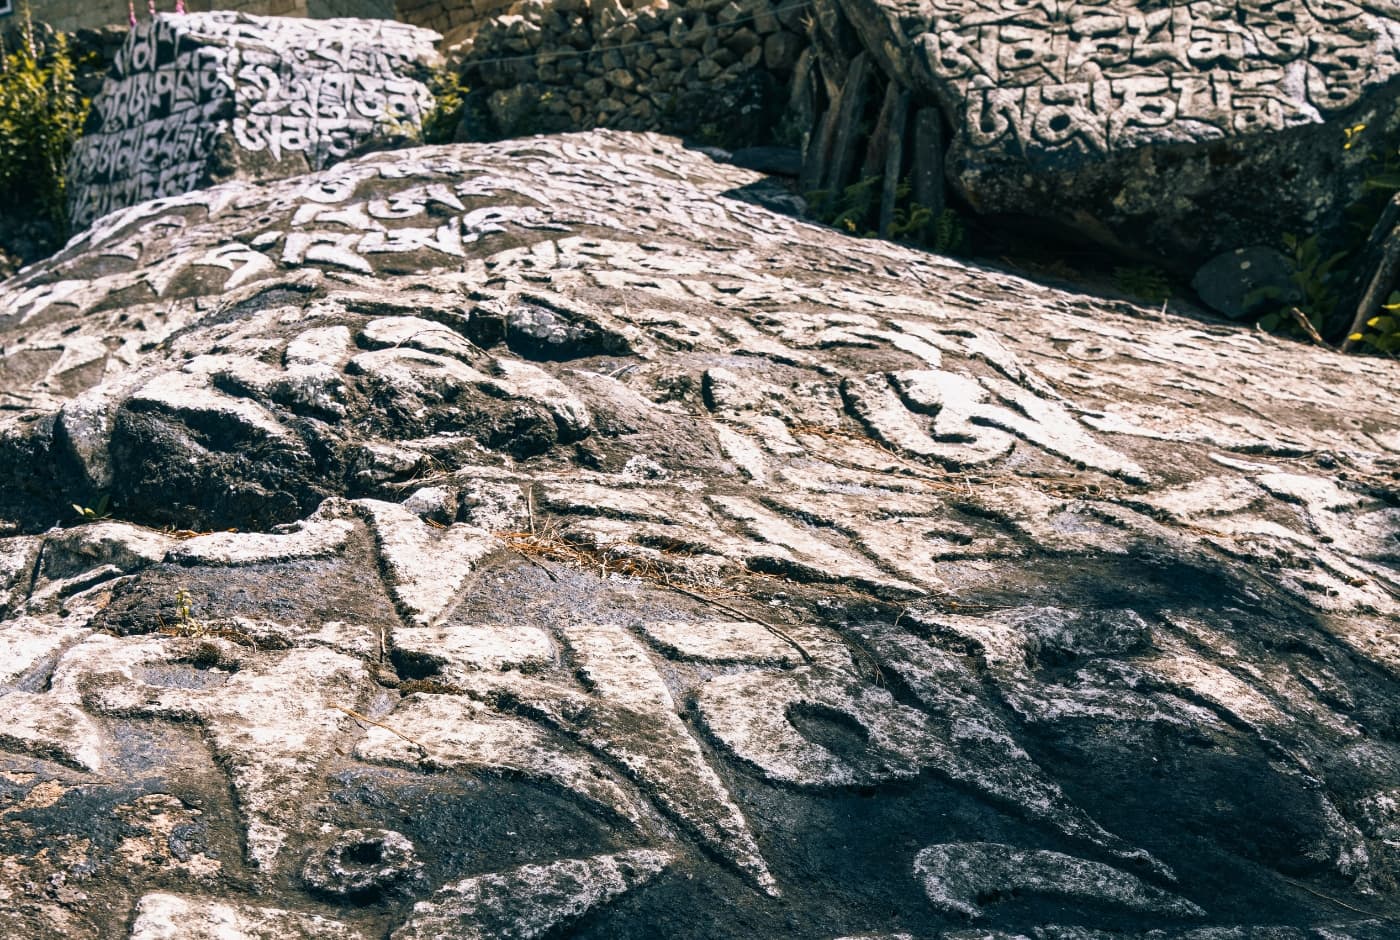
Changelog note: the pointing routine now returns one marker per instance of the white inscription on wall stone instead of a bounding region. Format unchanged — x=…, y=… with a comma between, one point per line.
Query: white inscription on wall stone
x=194, y=99
x=1094, y=77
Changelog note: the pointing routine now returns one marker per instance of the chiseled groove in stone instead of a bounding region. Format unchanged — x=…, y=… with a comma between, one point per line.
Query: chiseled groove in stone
x=749, y=714
x=629, y=717
x=38, y=724
x=182, y=394
x=531, y=900
x=981, y=751
x=773, y=324
x=272, y=721
x=453, y=732
x=423, y=568
x=956, y=877
x=312, y=538
x=819, y=559
x=720, y=641
x=952, y=439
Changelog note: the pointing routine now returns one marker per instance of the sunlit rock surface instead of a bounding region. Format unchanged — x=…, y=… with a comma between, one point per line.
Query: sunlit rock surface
x=195, y=99
x=548, y=539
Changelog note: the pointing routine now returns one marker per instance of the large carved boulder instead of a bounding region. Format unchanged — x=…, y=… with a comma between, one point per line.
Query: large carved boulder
x=200, y=98
x=613, y=556
x=1184, y=129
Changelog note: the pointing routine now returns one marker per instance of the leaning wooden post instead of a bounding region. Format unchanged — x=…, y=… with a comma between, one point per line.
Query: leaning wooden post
x=929, y=148
x=894, y=160
x=847, y=142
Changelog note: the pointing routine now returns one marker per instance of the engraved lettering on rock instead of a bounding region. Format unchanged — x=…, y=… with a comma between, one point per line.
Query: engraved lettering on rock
x=1082, y=77
x=284, y=89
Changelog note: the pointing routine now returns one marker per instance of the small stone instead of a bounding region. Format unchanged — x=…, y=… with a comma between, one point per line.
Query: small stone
x=742, y=41
x=438, y=503
x=780, y=51
x=622, y=79
x=1245, y=281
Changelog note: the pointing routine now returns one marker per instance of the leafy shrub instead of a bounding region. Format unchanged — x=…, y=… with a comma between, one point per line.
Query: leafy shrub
x=1319, y=280
x=449, y=104
x=856, y=209
x=1382, y=332
x=1326, y=281
x=851, y=209
x=41, y=117
x=1144, y=282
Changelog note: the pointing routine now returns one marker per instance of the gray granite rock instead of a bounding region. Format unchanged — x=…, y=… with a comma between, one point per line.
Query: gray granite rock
x=195, y=99
x=1242, y=282
x=1185, y=130
x=543, y=539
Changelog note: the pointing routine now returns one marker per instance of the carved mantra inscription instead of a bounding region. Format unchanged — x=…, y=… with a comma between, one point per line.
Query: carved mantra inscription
x=280, y=88
x=1050, y=76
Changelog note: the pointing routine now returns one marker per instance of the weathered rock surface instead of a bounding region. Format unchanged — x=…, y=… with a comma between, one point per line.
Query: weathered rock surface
x=613, y=556
x=194, y=99
x=1181, y=129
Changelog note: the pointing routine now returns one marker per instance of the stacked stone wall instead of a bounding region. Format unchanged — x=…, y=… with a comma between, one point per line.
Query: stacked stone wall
x=70, y=15
x=445, y=15
x=717, y=69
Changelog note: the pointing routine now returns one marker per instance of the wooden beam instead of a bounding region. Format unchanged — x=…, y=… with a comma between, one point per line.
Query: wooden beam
x=894, y=159
x=854, y=94
x=929, y=151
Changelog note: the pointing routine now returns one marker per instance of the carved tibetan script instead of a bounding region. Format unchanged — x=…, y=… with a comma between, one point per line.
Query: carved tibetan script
x=1094, y=77
x=281, y=88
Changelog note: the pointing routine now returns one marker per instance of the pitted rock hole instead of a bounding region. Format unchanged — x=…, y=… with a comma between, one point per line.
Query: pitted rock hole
x=364, y=864
x=830, y=728
x=365, y=853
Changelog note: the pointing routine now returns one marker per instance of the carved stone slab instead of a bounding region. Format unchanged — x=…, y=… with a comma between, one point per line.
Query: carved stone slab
x=549, y=539
x=194, y=99
x=1187, y=127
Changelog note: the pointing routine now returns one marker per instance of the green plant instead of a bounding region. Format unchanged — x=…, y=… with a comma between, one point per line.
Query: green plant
x=1383, y=332
x=917, y=224
x=449, y=103
x=1319, y=281
x=1324, y=282
x=856, y=209
x=1144, y=282
x=41, y=117
x=186, y=623
x=93, y=513
x=851, y=209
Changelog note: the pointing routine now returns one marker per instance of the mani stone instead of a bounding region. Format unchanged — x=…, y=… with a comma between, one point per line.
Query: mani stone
x=1186, y=129
x=197, y=99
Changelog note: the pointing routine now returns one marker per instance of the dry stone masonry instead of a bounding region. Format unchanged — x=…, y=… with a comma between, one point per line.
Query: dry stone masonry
x=200, y=98
x=547, y=538
x=712, y=69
